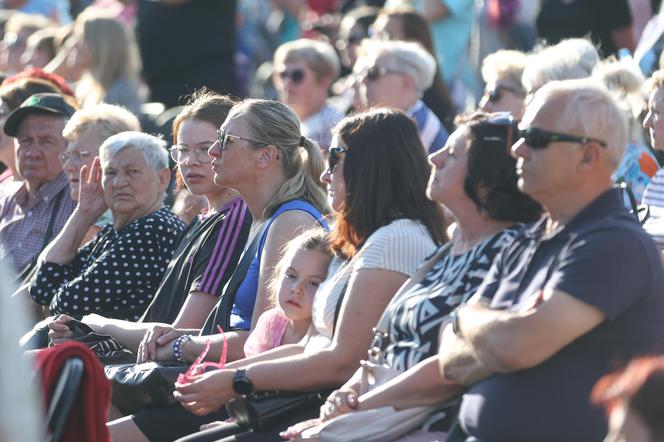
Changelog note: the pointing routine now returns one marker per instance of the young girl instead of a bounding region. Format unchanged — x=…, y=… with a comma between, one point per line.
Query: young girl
x=302, y=268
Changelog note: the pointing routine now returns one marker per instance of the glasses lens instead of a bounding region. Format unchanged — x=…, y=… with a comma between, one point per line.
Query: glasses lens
x=297, y=76
x=536, y=138
x=373, y=74
x=63, y=157
x=494, y=95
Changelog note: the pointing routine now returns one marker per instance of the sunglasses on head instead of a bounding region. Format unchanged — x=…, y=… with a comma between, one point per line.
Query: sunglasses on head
x=537, y=138
x=295, y=76
x=333, y=157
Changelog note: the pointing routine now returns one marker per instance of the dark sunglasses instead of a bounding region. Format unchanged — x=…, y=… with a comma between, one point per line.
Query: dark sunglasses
x=333, y=157
x=296, y=76
x=375, y=72
x=537, y=138
x=494, y=95
x=223, y=136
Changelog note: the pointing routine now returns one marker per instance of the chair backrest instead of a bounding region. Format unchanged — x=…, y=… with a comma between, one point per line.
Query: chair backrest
x=63, y=396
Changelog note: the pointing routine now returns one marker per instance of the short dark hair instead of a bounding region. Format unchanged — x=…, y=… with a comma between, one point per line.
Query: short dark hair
x=386, y=173
x=492, y=168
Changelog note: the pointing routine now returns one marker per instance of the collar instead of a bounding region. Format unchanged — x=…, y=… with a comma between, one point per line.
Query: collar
x=607, y=204
x=46, y=192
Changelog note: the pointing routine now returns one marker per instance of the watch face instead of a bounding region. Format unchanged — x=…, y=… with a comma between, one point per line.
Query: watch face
x=241, y=383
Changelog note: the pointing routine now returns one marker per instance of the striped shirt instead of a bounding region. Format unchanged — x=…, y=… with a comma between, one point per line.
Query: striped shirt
x=205, y=258
x=432, y=133
x=22, y=228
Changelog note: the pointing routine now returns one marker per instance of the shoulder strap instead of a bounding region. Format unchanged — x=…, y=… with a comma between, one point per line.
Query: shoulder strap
x=51, y=222
x=222, y=311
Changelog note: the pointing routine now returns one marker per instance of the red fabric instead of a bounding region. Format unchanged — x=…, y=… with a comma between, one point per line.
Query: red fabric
x=87, y=418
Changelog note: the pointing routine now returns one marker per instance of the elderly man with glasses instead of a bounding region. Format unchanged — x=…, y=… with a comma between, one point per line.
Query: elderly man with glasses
x=575, y=295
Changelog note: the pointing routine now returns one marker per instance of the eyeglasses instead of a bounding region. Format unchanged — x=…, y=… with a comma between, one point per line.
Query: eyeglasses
x=537, y=138
x=296, y=76
x=333, y=157
x=180, y=153
x=80, y=156
x=375, y=72
x=223, y=136
x=494, y=95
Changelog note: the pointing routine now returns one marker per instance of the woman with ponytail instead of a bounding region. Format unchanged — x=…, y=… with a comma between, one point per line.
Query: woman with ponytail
x=276, y=171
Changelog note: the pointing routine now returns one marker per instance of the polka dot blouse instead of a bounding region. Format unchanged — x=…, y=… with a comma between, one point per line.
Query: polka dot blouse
x=116, y=274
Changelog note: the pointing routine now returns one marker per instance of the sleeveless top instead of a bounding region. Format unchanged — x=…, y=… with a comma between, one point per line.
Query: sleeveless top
x=245, y=296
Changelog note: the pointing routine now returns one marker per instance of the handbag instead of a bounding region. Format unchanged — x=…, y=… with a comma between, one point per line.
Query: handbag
x=136, y=386
x=384, y=423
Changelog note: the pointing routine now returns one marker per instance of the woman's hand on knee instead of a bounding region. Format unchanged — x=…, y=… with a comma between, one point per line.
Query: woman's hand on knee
x=339, y=402
x=156, y=337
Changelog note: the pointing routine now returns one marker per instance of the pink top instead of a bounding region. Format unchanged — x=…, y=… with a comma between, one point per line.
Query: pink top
x=268, y=333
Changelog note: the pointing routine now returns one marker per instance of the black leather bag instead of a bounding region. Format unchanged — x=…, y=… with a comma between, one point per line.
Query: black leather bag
x=260, y=411
x=134, y=386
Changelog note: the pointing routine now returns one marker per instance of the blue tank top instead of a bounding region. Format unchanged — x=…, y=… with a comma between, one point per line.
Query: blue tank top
x=245, y=296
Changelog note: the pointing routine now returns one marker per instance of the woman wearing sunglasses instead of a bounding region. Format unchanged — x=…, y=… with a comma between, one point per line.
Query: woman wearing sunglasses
x=385, y=227
x=396, y=73
x=304, y=69
x=501, y=71
x=474, y=176
x=259, y=152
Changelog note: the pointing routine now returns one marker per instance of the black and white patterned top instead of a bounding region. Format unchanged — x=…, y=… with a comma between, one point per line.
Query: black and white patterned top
x=415, y=320
x=116, y=274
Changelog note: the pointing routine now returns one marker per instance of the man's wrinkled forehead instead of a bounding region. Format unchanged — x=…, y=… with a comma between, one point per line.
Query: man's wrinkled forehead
x=36, y=123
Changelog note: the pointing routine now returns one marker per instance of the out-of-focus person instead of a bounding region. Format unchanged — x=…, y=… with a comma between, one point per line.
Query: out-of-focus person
x=634, y=401
x=40, y=48
x=304, y=69
x=396, y=73
x=18, y=28
x=407, y=24
x=504, y=92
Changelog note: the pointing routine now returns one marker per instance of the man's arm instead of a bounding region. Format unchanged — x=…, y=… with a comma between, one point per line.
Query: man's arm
x=505, y=341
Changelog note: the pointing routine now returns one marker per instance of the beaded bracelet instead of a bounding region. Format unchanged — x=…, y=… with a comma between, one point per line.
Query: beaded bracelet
x=177, y=347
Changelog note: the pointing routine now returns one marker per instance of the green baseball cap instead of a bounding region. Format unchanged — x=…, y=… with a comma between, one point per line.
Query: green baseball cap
x=38, y=103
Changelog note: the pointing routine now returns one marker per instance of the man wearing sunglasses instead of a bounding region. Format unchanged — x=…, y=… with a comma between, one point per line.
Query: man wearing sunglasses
x=304, y=69
x=576, y=294
x=396, y=74
x=501, y=71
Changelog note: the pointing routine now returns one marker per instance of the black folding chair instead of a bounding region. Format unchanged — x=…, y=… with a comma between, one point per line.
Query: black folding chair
x=64, y=393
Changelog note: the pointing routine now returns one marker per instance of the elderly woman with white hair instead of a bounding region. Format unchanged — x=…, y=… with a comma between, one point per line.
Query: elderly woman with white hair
x=304, y=69
x=568, y=60
x=504, y=92
x=117, y=272
x=396, y=74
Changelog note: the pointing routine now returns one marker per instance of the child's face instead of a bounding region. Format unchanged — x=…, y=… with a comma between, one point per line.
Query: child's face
x=307, y=269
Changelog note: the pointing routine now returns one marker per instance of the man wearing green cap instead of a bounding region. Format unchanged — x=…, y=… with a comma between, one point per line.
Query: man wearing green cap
x=35, y=208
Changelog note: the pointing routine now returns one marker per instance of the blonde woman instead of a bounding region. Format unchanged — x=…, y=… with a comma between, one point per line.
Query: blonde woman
x=105, y=50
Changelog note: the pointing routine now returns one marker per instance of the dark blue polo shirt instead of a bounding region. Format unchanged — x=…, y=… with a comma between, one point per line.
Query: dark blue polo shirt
x=603, y=258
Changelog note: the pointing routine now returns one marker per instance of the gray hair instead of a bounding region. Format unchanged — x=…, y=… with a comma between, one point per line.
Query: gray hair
x=152, y=148
x=104, y=119
x=570, y=59
x=319, y=56
x=506, y=65
x=590, y=110
x=407, y=57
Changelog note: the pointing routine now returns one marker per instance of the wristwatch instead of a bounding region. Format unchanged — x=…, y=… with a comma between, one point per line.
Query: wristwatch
x=241, y=383
x=454, y=319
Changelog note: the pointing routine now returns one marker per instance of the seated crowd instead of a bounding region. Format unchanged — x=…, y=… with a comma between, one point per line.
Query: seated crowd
x=498, y=274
